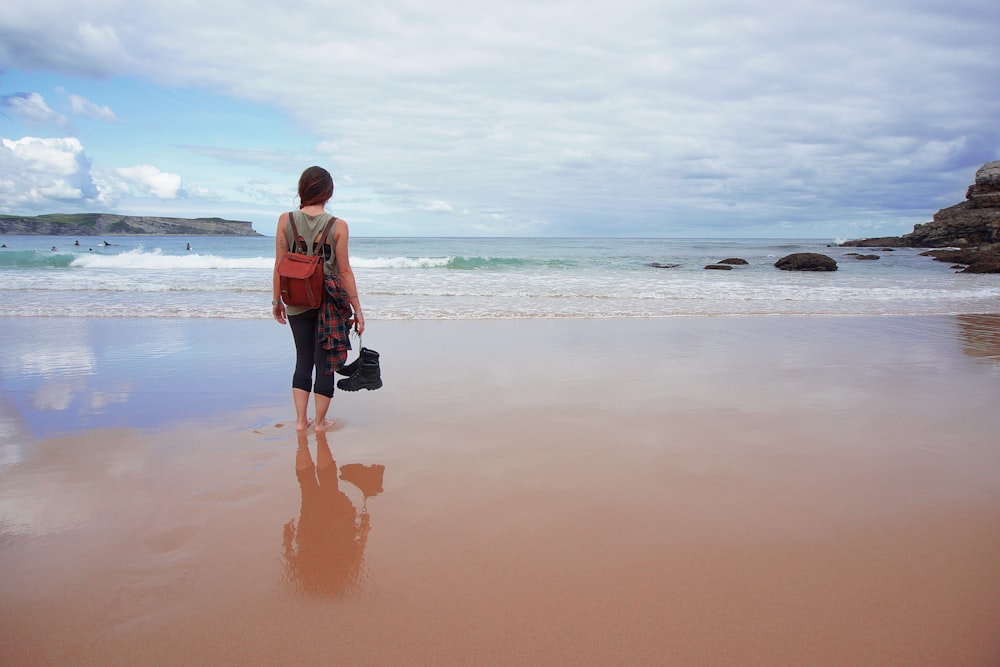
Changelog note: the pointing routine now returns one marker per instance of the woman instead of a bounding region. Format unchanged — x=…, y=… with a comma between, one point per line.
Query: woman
x=315, y=190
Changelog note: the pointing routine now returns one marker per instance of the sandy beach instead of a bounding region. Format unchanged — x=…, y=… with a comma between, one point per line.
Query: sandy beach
x=691, y=491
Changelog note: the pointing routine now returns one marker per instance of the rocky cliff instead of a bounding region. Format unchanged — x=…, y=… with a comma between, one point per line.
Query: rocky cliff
x=972, y=226
x=973, y=223
x=104, y=224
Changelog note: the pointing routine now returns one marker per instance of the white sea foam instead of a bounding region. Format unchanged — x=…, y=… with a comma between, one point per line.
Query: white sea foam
x=157, y=260
x=400, y=262
x=486, y=278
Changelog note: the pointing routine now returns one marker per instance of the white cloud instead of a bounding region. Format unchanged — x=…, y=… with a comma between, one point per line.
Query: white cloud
x=38, y=172
x=59, y=157
x=147, y=179
x=54, y=174
x=588, y=117
x=84, y=107
x=55, y=35
x=266, y=192
x=32, y=109
x=437, y=207
x=198, y=192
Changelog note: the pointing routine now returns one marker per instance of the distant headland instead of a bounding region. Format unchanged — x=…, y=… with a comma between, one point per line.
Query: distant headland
x=106, y=224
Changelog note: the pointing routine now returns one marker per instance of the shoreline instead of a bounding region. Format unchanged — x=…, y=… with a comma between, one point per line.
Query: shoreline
x=749, y=490
x=496, y=279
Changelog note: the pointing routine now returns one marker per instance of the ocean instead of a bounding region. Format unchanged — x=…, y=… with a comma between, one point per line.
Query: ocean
x=482, y=278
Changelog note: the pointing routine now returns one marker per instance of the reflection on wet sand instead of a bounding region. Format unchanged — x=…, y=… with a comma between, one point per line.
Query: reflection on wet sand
x=981, y=334
x=324, y=551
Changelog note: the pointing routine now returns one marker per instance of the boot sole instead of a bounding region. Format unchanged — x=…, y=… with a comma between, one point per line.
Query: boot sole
x=368, y=386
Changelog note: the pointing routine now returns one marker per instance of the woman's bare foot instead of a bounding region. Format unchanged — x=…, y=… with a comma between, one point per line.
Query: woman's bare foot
x=325, y=425
x=299, y=426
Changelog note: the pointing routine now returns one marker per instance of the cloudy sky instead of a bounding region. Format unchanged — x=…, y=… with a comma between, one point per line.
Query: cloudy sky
x=712, y=118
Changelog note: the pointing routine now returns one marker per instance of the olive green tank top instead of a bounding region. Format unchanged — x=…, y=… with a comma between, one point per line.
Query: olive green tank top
x=309, y=227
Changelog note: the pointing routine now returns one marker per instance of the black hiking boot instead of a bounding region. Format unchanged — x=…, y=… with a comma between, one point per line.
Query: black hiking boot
x=367, y=376
x=347, y=370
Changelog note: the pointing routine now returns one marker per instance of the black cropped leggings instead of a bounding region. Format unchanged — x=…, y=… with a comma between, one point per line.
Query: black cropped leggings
x=309, y=355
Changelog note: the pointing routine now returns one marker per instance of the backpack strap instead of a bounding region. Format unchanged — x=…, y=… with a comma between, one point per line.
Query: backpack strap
x=298, y=243
x=326, y=231
x=297, y=238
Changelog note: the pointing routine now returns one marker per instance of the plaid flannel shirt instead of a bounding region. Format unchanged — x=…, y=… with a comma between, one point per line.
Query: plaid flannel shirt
x=334, y=325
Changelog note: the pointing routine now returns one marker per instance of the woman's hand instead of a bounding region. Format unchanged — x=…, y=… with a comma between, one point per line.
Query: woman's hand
x=359, y=322
x=278, y=313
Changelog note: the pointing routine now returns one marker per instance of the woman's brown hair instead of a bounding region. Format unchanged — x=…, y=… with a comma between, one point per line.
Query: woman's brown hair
x=315, y=187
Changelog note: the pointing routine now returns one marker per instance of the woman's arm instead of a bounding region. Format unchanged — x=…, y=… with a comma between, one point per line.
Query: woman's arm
x=340, y=235
x=280, y=248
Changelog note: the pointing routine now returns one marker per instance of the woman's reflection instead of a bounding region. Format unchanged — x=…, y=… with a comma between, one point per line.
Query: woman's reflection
x=324, y=551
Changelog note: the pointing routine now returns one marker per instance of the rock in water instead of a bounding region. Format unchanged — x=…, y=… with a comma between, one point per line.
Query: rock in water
x=806, y=261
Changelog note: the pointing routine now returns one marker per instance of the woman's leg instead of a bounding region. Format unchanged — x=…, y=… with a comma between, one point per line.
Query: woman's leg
x=322, y=405
x=303, y=328
x=323, y=389
x=301, y=400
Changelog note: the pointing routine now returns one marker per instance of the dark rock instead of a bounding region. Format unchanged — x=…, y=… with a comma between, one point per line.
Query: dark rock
x=985, y=192
x=806, y=261
x=975, y=221
x=733, y=260
x=959, y=225
x=888, y=250
x=857, y=256
x=897, y=241
x=953, y=255
x=719, y=267
x=984, y=265
x=985, y=259
x=658, y=265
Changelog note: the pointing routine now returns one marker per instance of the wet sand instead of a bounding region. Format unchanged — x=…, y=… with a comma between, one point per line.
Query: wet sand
x=724, y=491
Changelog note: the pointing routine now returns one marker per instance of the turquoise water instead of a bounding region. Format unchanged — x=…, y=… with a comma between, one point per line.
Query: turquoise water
x=475, y=278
